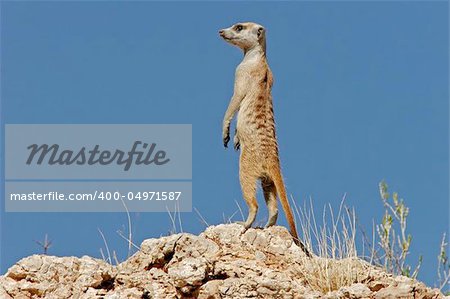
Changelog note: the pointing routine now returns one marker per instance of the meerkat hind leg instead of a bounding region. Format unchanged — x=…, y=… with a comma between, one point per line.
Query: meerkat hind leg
x=249, y=194
x=270, y=196
x=248, y=186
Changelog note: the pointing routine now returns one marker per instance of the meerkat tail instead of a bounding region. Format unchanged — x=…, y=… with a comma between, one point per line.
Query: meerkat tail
x=281, y=190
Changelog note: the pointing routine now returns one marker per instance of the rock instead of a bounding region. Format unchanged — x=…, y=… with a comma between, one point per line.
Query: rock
x=399, y=291
x=357, y=290
x=222, y=262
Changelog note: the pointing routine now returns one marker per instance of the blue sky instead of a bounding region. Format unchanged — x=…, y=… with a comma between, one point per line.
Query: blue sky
x=360, y=95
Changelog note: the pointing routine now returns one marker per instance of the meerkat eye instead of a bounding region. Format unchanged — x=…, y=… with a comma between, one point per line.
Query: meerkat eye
x=239, y=28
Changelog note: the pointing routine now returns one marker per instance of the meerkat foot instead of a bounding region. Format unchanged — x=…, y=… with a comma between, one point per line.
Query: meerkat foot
x=272, y=220
x=244, y=224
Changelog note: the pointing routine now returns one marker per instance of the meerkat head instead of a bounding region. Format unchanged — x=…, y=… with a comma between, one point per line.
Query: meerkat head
x=245, y=35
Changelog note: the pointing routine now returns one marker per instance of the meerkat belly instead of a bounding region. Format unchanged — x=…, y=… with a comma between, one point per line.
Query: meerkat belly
x=256, y=126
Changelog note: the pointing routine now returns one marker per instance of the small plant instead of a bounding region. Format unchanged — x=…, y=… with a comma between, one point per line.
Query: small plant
x=443, y=269
x=128, y=238
x=45, y=244
x=173, y=218
x=395, y=246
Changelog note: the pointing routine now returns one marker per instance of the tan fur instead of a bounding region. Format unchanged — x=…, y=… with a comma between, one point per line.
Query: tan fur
x=255, y=129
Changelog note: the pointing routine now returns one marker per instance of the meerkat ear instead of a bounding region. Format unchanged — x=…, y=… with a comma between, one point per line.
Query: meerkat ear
x=260, y=31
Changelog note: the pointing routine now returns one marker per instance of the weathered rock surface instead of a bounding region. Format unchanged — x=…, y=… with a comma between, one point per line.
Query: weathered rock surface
x=222, y=262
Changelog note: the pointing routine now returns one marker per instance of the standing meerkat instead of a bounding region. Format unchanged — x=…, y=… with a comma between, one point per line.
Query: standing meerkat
x=255, y=129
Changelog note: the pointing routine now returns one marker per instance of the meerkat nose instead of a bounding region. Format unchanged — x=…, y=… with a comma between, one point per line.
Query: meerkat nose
x=221, y=31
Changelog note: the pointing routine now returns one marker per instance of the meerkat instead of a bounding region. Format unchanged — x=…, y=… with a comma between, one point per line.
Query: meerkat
x=255, y=129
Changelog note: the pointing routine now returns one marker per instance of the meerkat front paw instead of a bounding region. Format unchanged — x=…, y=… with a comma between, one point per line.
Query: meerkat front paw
x=226, y=135
x=226, y=139
x=237, y=144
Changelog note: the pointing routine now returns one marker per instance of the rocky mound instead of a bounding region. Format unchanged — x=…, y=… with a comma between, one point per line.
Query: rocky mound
x=221, y=262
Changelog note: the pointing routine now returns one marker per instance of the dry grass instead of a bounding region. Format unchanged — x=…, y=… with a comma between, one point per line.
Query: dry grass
x=335, y=263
